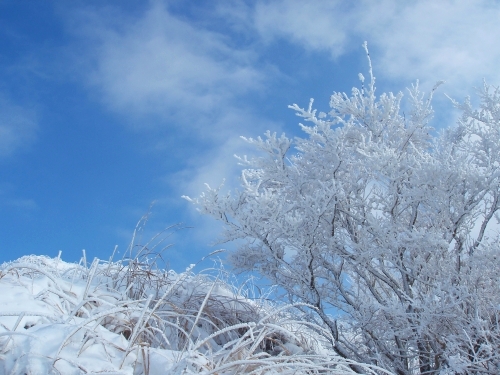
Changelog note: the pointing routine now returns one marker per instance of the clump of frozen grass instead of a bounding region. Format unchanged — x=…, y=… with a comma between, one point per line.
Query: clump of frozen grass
x=72, y=319
x=132, y=317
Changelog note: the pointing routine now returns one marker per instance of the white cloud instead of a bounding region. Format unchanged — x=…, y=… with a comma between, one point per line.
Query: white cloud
x=163, y=65
x=322, y=25
x=431, y=40
x=18, y=127
x=426, y=39
x=218, y=164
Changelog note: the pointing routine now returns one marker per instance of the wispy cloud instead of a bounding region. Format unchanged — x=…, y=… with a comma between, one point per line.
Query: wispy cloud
x=165, y=75
x=164, y=66
x=18, y=127
x=427, y=40
x=314, y=25
x=9, y=198
x=22, y=204
x=431, y=40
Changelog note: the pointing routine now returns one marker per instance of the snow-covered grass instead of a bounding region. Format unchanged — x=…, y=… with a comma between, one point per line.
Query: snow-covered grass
x=128, y=317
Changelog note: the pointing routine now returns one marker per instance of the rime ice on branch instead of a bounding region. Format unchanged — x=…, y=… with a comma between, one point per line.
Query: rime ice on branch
x=374, y=217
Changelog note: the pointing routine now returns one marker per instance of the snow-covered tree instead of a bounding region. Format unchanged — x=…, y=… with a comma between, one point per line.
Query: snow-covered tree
x=389, y=231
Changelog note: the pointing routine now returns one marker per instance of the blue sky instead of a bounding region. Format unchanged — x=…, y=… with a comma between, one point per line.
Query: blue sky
x=107, y=106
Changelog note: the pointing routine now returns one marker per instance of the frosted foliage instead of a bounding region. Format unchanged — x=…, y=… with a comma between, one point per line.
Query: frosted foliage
x=374, y=220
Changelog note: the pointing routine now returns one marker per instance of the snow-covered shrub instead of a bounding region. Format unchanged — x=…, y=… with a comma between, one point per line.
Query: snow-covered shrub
x=376, y=218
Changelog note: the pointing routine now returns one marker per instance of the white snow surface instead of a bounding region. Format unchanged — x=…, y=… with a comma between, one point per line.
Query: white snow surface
x=128, y=318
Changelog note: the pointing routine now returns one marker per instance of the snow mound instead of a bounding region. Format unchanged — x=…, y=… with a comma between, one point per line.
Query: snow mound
x=127, y=318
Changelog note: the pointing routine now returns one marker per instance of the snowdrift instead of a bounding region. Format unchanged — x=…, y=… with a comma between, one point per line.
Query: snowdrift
x=129, y=318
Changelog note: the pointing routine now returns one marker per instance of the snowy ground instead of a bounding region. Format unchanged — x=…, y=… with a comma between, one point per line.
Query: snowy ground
x=128, y=318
